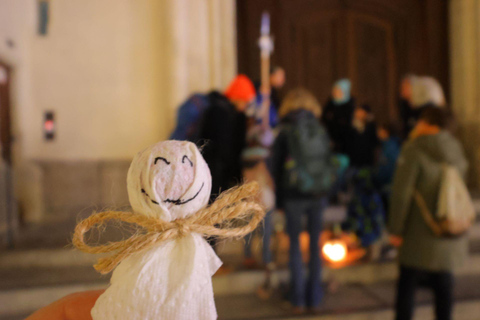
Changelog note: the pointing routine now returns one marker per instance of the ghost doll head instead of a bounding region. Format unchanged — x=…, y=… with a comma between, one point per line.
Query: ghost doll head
x=169, y=180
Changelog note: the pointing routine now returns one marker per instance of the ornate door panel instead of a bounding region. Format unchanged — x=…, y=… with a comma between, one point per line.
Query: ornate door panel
x=372, y=64
x=314, y=49
x=373, y=42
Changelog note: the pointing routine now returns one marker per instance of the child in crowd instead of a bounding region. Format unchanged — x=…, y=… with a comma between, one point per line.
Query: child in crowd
x=365, y=212
x=385, y=169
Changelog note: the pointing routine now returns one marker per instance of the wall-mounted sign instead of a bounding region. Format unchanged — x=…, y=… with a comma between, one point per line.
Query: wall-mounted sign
x=43, y=17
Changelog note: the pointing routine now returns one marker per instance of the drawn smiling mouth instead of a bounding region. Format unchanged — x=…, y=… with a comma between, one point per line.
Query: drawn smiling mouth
x=177, y=202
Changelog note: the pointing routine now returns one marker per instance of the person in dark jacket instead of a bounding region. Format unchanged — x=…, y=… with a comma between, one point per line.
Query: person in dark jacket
x=408, y=115
x=338, y=114
x=424, y=257
x=223, y=130
x=362, y=141
x=300, y=158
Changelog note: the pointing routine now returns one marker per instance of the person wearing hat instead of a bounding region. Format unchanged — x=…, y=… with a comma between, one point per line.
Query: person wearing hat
x=223, y=131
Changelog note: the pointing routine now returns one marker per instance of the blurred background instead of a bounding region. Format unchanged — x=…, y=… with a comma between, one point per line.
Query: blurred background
x=85, y=84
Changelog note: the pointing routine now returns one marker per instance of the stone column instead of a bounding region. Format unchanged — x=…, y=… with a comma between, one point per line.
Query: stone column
x=201, y=47
x=465, y=77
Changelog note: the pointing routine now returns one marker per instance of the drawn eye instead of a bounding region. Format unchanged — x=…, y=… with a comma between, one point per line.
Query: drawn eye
x=185, y=157
x=161, y=159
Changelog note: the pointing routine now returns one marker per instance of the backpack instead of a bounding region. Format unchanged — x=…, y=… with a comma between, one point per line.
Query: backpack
x=308, y=167
x=189, y=116
x=455, y=211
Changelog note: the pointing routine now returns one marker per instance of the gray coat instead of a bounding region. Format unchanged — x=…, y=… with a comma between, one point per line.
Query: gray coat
x=419, y=167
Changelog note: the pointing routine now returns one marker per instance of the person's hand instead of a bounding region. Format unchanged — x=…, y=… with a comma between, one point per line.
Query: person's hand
x=76, y=306
x=396, y=241
x=265, y=91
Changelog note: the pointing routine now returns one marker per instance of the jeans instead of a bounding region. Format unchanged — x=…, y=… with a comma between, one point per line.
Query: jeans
x=303, y=293
x=267, y=234
x=440, y=282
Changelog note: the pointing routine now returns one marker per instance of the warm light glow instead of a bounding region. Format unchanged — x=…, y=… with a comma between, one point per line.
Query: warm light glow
x=335, y=251
x=49, y=125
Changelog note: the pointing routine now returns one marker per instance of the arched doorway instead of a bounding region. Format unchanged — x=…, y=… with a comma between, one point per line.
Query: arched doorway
x=372, y=42
x=6, y=186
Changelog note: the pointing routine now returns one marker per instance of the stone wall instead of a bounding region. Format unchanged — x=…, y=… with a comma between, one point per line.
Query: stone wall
x=72, y=189
x=113, y=71
x=8, y=216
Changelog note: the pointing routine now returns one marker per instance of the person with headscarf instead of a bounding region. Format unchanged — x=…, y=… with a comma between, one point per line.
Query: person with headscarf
x=223, y=129
x=338, y=114
x=425, y=259
x=427, y=91
x=418, y=93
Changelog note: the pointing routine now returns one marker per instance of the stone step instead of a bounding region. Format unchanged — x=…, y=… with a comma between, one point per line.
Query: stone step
x=23, y=290
x=58, y=233
x=374, y=301
x=236, y=282
x=31, y=279
x=70, y=257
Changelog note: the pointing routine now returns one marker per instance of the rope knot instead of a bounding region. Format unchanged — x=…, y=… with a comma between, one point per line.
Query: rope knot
x=182, y=227
x=234, y=204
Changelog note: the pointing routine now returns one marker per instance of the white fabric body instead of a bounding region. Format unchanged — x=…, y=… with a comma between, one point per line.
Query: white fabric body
x=172, y=281
x=454, y=202
x=169, y=180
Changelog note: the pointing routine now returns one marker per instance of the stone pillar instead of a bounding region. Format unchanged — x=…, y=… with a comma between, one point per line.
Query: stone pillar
x=465, y=77
x=29, y=190
x=201, y=47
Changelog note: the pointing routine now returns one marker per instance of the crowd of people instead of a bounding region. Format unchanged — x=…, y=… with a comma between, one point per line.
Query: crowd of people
x=305, y=157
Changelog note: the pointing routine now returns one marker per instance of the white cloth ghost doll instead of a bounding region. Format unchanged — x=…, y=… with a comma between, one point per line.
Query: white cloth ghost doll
x=172, y=280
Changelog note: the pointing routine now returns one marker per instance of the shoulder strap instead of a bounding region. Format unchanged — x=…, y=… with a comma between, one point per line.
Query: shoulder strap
x=426, y=214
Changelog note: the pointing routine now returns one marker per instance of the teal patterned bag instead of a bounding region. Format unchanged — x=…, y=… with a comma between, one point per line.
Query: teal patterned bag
x=308, y=167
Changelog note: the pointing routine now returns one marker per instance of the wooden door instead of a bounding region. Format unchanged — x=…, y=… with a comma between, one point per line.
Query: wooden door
x=372, y=42
x=5, y=133
x=6, y=189
x=315, y=50
x=372, y=65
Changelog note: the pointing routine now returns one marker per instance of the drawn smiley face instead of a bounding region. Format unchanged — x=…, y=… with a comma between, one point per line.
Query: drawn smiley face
x=169, y=179
x=181, y=179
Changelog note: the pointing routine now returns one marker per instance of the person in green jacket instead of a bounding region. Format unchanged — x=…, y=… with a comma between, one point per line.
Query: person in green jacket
x=425, y=259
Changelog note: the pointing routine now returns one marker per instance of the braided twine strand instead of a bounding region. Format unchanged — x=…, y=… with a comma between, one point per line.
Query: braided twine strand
x=232, y=205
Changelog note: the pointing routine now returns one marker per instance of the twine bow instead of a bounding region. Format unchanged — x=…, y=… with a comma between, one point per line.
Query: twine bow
x=234, y=204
